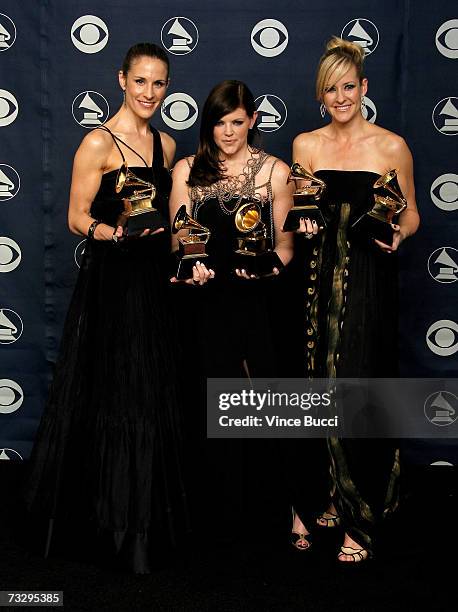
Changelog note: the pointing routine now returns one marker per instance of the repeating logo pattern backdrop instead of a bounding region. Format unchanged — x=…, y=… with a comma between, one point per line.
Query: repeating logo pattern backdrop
x=58, y=79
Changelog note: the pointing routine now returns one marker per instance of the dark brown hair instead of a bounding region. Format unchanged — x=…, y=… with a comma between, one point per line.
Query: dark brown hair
x=140, y=50
x=223, y=99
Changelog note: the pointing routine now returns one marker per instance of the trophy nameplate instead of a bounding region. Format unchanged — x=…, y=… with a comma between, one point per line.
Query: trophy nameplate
x=389, y=202
x=305, y=198
x=191, y=248
x=138, y=213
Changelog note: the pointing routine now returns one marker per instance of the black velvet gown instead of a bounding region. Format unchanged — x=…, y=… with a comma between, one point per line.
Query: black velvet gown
x=351, y=332
x=106, y=466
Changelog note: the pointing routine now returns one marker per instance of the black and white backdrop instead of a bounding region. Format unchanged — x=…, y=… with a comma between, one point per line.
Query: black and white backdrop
x=58, y=78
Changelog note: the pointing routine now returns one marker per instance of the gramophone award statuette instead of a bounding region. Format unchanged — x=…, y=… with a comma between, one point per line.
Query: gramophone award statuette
x=389, y=202
x=191, y=248
x=254, y=254
x=139, y=213
x=306, y=199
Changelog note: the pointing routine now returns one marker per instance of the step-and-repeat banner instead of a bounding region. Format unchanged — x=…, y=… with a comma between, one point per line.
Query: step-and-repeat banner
x=58, y=79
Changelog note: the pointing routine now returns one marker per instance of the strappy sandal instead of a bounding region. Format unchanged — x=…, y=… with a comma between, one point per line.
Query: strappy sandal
x=300, y=541
x=358, y=555
x=330, y=520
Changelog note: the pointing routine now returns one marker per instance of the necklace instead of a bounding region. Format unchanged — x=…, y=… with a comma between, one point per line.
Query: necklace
x=242, y=185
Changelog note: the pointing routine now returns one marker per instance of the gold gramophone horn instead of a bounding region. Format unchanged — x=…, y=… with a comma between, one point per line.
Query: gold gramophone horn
x=316, y=187
x=126, y=178
x=386, y=182
x=183, y=220
x=248, y=217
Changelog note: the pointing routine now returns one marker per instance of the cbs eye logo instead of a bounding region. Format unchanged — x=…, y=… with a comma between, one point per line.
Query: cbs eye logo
x=7, y=32
x=447, y=39
x=79, y=252
x=442, y=338
x=444, y=192
x=179, y=111
x=9, y=108
x=11, y=396
x=89, y=34
x=10, y=254
x=10, y=182
x=269, y=37
x=368, y=109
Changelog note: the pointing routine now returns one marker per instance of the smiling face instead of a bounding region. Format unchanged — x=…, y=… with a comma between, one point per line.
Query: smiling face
x=145, y=85
x=231, y=131
x=343, y=98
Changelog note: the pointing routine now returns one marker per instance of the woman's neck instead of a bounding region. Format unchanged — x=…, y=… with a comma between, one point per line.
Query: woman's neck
x=126, y=122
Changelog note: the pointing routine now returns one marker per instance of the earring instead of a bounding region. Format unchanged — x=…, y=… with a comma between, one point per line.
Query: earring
x=363, y=106
x=124, y=97
x=322, y=110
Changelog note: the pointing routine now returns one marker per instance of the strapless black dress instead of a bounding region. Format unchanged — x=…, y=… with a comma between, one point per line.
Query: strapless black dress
x=352, y=332
x=106, y=465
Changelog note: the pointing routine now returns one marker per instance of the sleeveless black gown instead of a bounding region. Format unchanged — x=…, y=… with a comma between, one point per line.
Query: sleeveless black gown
x=351, y=332
x=106, y=465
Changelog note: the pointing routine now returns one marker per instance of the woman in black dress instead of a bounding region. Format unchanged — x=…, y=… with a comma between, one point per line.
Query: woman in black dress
x=106, y=462
x=352, y=311
x=230, y=319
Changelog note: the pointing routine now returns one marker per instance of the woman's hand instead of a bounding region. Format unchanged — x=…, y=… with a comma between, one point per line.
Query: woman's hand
x=200, y=275
x=398, y=237
x=308, y=227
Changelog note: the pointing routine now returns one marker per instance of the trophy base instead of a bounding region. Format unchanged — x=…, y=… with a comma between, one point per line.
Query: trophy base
x=373, y=228
x=186, y=264
x=134, y=225
x=259, y=264
x=310, y=211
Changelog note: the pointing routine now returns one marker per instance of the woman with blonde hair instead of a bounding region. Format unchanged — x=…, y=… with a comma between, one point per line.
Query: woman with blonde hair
x=352, y=308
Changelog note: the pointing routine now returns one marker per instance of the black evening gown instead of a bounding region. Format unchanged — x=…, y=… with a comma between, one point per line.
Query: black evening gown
x=233, y=323
x=351, y=332
x=106, y=467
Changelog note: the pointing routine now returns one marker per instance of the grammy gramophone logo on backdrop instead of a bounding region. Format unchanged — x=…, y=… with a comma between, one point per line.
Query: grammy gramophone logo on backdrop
x=363, y=32
x=445, y=116
x=10, y=254
x=10, y=182
x=447, y=39
x=442, y=338
x=9, y=454
x=11, y=396
x=269, y=37
x=441, y=408
x=272, y=112
x=443, y=265
x=7, y=32
x=179, y=35
x=89, y=34
x=90, y=109
x=9, y=108
x=444, y=192
x=11, y=326
x=179, y=111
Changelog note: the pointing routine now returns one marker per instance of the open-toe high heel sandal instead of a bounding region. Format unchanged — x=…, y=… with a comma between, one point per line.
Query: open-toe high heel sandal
x=301, y=541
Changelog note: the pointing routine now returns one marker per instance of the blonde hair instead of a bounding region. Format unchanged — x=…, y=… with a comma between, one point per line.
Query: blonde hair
x=338, y=59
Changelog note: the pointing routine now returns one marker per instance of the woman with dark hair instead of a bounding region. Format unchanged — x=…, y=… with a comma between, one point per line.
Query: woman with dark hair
x=232, y=313
x=227, y=171
x=106, y=463
x=352, y=308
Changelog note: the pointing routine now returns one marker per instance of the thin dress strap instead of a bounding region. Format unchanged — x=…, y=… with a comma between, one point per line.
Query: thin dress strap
x=158, y=153
x=116, y=139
